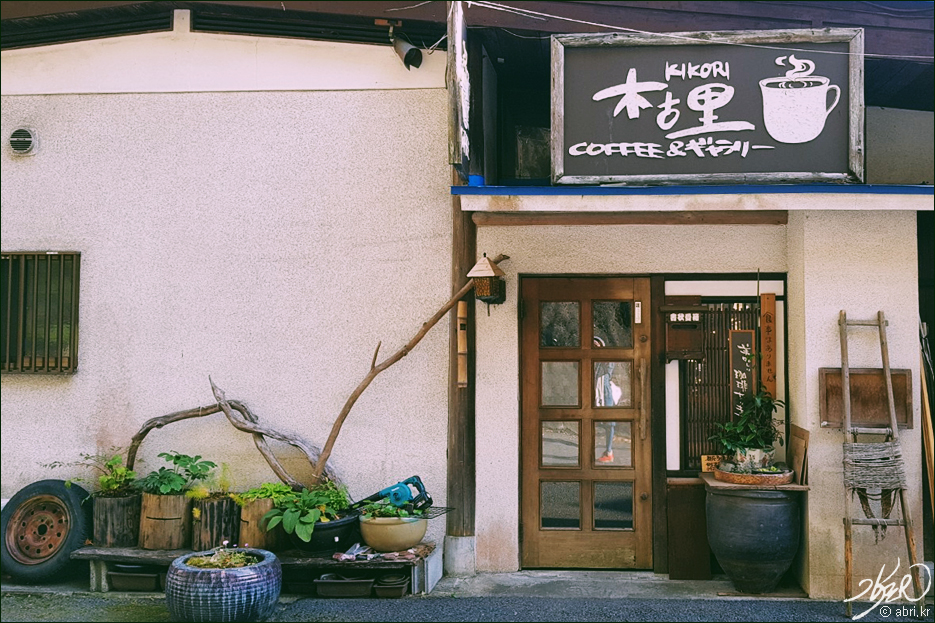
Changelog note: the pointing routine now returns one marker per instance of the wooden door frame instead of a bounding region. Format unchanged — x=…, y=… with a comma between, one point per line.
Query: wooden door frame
x=660, y=550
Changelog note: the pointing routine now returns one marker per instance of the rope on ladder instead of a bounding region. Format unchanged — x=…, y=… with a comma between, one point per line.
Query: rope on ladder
x=875, y=466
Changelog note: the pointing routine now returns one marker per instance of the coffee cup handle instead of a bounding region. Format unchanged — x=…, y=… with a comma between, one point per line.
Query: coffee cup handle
x=837, y=96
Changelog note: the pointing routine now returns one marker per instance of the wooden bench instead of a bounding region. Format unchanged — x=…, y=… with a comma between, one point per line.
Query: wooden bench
x=425, y=570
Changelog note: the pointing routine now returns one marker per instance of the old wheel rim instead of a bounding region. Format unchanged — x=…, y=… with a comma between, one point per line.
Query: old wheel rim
x=37, y=530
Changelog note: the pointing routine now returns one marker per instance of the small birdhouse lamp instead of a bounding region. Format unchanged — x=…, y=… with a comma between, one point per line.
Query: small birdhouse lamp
x=488, y=285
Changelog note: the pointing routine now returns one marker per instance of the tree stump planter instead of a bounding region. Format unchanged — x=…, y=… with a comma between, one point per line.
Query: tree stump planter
x=117, y=521
x=214, y=522
x=238, y=594
x=165, y=521
x=253, y=531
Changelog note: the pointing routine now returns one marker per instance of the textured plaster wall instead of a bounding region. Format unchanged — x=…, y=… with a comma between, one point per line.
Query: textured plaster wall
x=861, y=262
x=268, y=239
x=621, y=249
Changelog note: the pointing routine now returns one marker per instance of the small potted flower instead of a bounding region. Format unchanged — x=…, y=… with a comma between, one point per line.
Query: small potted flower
x=224, y=584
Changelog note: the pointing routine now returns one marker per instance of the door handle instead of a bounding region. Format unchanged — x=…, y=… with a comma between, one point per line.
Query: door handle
x=644, y=400
x=644, y=496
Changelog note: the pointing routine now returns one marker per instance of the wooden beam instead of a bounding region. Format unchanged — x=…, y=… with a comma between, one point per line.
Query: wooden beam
x=708, y=217
x=657, y=294
x=461, y=430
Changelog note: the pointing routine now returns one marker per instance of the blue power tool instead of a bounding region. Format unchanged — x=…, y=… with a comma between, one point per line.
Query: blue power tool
x=401, y=495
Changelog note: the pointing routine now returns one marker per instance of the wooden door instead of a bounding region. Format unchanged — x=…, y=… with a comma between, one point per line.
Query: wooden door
x=586, y=452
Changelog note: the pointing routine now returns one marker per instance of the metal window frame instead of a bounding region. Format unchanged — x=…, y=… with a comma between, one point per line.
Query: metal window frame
x=22, y=301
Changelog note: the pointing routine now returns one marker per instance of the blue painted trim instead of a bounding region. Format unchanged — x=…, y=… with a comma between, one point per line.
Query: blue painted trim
x=844, y=189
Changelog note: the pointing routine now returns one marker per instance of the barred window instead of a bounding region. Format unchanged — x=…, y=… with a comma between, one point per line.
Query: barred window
x=39, y=312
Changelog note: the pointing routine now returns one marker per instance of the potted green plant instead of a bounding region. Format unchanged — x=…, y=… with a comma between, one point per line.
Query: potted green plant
x=225, y=584
x=317, y=519
x=166, y=517
x=751, y=435
x=389, y=528
x=254, y=504
x=115, y=496
x=753, y=532
x=215, y=514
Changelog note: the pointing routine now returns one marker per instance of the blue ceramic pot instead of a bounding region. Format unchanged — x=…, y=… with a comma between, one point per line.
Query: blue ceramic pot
x=241, y=594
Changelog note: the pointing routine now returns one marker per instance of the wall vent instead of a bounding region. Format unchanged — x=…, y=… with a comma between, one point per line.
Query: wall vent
x=24, y=141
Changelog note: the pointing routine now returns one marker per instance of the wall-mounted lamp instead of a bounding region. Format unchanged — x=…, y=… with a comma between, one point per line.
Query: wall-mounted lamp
x=488, y=285
x=410, y=55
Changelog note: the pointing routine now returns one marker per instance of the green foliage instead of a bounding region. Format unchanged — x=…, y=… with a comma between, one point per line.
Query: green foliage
x=754, y=426
x=186, y=471
x=384, y=508
x=299, y=512
x=113, y=480
x=275, y=491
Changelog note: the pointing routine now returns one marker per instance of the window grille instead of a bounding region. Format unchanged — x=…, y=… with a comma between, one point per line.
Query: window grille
x=705, y=383
x=39, y=312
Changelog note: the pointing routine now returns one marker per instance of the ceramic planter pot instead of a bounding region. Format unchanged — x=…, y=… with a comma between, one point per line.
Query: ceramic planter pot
x=754, y=535
x=240, y=594
x=754, y=458
x=329, y=537
x=392, y=534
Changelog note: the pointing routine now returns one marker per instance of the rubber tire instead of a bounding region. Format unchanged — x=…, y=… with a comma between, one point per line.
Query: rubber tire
x=76, y=532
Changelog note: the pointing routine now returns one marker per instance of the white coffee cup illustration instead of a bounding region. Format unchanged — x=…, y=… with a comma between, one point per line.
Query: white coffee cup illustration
x=795, y=107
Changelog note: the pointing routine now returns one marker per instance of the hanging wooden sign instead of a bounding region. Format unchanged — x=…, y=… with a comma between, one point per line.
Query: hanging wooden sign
x=768, y=343
x=742, y=349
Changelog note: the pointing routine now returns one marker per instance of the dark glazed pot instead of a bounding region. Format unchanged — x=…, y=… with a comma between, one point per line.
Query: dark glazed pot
x=241, y=594
x=329, y=537
x=754, y=535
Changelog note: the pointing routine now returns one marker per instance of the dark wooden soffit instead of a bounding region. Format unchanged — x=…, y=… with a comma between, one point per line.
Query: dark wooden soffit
x=903, y=28
x=707, y=217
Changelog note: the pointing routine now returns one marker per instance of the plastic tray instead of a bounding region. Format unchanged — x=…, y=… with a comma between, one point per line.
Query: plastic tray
x=332, y=585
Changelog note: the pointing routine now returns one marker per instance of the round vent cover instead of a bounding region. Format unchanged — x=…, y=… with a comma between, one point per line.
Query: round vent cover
x=24, y=141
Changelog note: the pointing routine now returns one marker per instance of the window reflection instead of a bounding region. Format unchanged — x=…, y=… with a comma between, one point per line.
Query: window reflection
x=613, y=323
x=560, y=441
x=612, y=384
x=559, y=383
x=560, y=504
x=613, y=505
x=612, y=444
x=559, y=324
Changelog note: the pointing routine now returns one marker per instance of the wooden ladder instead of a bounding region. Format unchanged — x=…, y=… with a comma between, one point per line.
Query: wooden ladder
x=892, y=434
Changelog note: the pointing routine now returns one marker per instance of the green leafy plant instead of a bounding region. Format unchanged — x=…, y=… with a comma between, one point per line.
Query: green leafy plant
x=754, y=427
x=223, y=558
x=114, y=479
x=185, y=472
x=298, y=513
x=384, y=508
x=275, y=491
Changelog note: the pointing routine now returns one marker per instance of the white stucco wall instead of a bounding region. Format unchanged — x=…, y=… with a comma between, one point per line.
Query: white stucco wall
x=267, y=238
x=861, y=262
x=640, y=249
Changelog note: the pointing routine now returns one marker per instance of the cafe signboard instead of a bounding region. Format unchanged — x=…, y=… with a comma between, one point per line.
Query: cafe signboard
x=712, y=107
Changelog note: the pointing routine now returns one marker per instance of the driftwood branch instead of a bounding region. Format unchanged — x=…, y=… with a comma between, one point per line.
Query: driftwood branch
x=375, y=370
x=240, y=416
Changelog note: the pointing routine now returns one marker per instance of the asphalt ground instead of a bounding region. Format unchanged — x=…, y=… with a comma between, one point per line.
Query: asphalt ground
x=124, y=607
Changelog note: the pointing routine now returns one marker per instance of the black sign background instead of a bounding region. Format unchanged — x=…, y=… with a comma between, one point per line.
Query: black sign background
x=588, y=70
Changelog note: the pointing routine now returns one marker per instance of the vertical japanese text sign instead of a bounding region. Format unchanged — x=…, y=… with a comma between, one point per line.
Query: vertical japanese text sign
x=742, y=353
x=768, y=343
x=722, y=107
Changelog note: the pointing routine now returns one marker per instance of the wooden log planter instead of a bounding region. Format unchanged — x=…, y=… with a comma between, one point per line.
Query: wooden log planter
x=117, y=521
x=252, y=530
x=215, y=521
x=165, y=522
